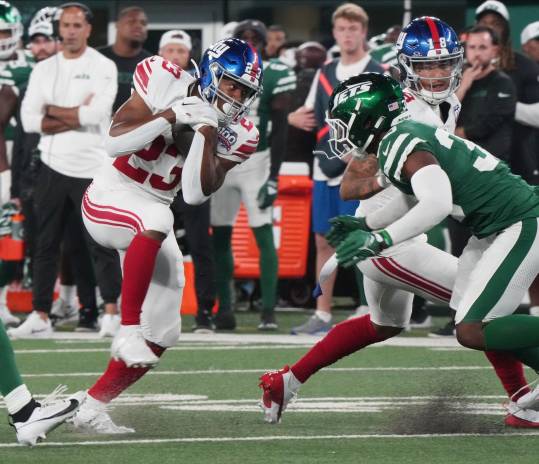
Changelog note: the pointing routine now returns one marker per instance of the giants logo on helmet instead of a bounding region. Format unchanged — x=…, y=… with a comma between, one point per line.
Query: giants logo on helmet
x=227, y=137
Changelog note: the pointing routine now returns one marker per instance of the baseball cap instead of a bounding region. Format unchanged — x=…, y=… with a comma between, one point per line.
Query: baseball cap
x=531, y=31
x=492, y=6
x=176, y=37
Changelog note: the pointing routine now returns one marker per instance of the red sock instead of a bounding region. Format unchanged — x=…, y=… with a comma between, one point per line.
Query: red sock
x=510, y=372
x=118, y=377
x=139, y=263
x=345, y=338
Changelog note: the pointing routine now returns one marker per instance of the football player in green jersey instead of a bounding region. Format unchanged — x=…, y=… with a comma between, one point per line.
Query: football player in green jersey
x=450, y=175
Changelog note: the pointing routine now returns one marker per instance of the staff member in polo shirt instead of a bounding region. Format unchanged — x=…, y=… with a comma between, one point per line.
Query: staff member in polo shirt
x=68, y=101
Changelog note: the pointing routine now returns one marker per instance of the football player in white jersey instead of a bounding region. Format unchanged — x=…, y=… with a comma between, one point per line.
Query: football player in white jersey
x=410, y=268
x=127, y=205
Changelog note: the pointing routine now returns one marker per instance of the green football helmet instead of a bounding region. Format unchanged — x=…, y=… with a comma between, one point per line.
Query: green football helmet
x=361, y=108
x=10, y=20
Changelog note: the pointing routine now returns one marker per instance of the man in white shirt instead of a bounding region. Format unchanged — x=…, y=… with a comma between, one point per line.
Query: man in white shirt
x=68, y=101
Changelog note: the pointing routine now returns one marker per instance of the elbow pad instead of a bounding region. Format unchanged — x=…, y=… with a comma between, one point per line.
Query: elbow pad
x=136, y=139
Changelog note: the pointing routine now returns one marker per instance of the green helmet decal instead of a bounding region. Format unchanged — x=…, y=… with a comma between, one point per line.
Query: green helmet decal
x=10, y=20
x=359, y=109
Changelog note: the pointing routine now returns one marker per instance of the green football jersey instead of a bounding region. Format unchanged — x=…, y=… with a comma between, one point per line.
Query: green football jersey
x=486, y=196
x=385, y=54
x=278, y=78
x=15, y=74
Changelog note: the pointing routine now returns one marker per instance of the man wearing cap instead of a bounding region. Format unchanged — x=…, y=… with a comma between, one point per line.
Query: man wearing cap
x=525, y=75
x=175, y=46
x=127, y=51
x=255, y=184
x=528, y=113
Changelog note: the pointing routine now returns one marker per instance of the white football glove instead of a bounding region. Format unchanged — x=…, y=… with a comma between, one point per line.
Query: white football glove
x=195, y=112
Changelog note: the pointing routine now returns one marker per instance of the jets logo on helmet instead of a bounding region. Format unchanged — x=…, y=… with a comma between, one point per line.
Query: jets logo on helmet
x=230, y=59
x=10, y=20
x=430, y=59
x=42, y=22
x=361, y=108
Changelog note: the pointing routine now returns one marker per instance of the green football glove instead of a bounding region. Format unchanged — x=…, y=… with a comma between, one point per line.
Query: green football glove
x=267, y=194
x=341, y=226
x=360, y=245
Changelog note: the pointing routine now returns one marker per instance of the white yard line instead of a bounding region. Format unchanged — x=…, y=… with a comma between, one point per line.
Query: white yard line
x=270, y=438
x=249, y=339
x=262, y=370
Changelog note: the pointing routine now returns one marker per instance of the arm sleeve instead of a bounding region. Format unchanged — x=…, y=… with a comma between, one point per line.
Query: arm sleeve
x=32, y=104
x=432, y=189
x=528, y=114
x=191, y=181
x=393, y=210
x=100, y=108
x=498, y=107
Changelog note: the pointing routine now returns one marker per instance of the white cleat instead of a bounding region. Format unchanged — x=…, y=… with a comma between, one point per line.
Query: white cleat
x=7, y=318
x=96, y=420
x=129, y=346
x=110, y=325
x=63, y=313
x=32, y=327
x=521, y=418
x=530, y=400
x=46, y=417
x=278, y=389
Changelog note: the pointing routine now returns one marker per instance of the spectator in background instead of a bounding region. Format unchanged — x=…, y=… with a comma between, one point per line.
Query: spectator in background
x=175, y=46
x=275, y=39
x=127, y=51
x=386, y=52
x=255, y=184
x=487, y=95
x=525, y=75
x=68, y=101
x=350, y=25
x=529, y=38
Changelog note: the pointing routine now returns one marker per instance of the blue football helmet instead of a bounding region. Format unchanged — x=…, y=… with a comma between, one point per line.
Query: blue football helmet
x=424, y=45
x=232, y=59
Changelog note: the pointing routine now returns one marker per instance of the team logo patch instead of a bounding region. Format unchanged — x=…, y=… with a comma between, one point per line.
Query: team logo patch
x=227, y=137
x=393, y=106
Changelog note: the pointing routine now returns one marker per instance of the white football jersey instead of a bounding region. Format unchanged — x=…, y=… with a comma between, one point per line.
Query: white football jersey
x=422, y=112
x=157, y=168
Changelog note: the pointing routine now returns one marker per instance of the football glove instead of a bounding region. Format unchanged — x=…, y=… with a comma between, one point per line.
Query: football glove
x=361, y=245
x=267, y=194
x=341, y=226
x=194, y=111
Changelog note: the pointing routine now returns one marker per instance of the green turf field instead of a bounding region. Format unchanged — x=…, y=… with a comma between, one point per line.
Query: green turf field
x=416, y=400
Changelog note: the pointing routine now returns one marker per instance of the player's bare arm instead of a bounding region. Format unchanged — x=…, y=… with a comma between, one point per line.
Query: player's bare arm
x=360, y=181
x=7, y=109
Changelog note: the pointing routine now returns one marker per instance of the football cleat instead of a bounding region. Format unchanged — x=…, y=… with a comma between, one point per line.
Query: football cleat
x=110, y=325
x=97, y=420
x=277, y=393
x=313, y=326
x=521, y=418
x=47, y=416
x=530, y=400
x=129, y=346
x=33, y=327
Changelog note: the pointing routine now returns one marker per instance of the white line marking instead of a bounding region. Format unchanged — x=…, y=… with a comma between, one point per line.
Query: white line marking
x=270, y=438
x=261, y=371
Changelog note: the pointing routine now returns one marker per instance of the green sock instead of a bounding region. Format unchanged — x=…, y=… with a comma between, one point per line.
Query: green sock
x=7, y=272
x=224, y=265
x=269, y=266
x=9, y=377
x=513, y=332
x=360, y=288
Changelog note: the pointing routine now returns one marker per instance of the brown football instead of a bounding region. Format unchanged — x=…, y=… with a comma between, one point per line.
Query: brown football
x=183, y=137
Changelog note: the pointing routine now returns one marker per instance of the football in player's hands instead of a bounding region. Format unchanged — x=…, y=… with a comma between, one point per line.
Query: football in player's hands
x=183, y=137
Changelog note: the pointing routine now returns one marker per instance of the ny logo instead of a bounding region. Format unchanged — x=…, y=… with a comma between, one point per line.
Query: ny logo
x=217, y=50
